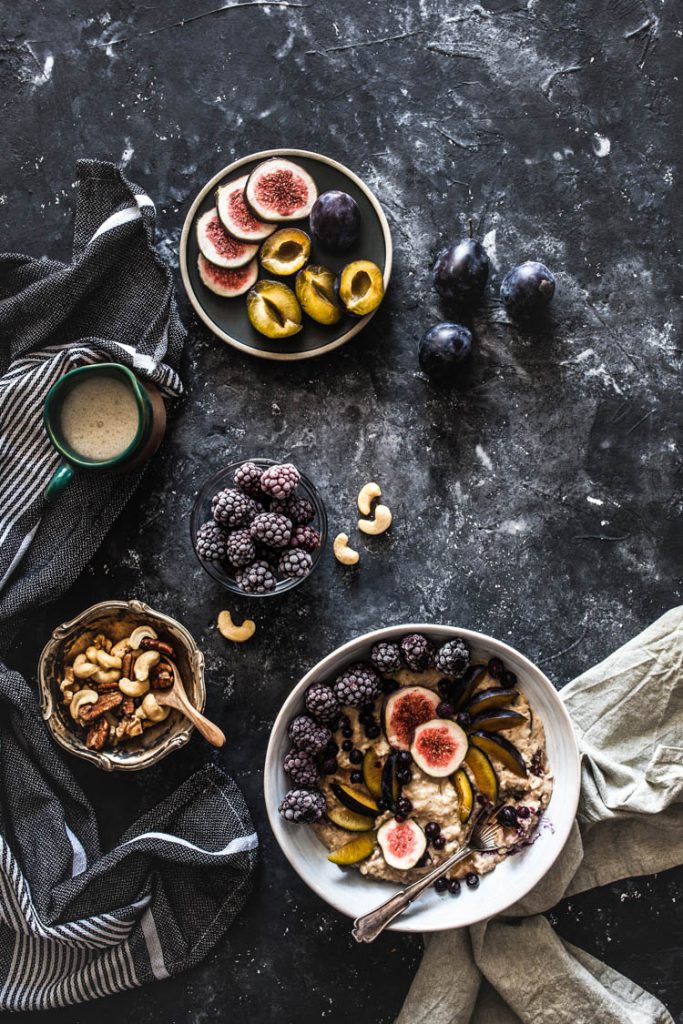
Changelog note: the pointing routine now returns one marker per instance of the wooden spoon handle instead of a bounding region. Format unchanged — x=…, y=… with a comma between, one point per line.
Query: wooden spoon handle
x=208, y=730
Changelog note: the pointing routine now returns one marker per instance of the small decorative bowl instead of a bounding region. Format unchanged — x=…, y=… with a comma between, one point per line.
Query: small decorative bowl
x=117, y=619
x=201, y=513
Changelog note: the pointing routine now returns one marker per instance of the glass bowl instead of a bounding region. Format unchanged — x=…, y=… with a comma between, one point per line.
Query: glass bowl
x=201, y=513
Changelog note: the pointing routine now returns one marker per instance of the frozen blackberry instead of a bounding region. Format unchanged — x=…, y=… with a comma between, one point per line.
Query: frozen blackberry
x=280, y=481
x=210, y=542
x=230, y=507
x=453, y=657
x=271, y=529
x=295, y=564
x=308, y=735
x=256, y=578
x=248, y=478
x=301, y=767
x=255, y=508
x=386, y=657
x=299, y=510
x=303, y=806
x=305, y=537
x=240, y=548
x=321, y=703
x=356, y=685
x=417, y=652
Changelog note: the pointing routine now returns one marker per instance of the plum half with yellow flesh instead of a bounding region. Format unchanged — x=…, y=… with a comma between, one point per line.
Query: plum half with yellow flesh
x=361, y=287
x=315, y=292
x=285, y=252
x=273, y=309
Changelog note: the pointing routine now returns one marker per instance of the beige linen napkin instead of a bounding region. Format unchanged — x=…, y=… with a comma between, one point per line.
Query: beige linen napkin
x=628, y=716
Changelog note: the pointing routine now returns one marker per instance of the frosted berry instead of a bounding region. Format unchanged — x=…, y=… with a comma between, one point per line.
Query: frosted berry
x=272, y=530
x=295, y=564
x=240, y=548
x=280, y=481
x=417, y=652
x=256, y=578
x=386, y=657
x=305, y=537
x=211, y=542
x=248, y=478
x=301, y=767
x=230, y=507
x=299, y=510
x=303, y=806
x=308, y=735
x=321, y=703
x=453, y=657
x=356, y=685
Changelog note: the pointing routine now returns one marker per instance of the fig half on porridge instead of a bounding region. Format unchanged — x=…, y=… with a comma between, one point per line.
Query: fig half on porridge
x=390, y=759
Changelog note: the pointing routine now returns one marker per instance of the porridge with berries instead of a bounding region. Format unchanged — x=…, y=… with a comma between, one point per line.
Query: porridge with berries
x=392, y=759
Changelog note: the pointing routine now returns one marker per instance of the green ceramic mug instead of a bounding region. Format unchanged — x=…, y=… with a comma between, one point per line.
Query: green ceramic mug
x=144, y=428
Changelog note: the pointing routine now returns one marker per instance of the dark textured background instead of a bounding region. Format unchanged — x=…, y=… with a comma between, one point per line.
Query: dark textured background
x=539, y=502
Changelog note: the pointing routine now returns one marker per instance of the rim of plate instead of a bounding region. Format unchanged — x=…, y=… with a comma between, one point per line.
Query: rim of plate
x=266, y=154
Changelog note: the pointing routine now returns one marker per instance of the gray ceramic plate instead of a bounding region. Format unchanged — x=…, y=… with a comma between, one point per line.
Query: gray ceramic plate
x=227, y=318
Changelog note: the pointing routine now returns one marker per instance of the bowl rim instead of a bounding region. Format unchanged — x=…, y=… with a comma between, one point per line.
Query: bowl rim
x=73, y=745
x=287, y=585
x=293, y=703
x=266, y=154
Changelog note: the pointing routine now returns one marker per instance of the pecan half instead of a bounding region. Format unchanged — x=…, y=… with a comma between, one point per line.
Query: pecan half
x=106, y=702
x=161, y=677
x=97, y=735
x=108, y=687
x=128, y=706
x=127, y=665
x=149, y=643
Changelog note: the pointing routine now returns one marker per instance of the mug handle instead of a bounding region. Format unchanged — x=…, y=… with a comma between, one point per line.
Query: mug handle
x=61, y=478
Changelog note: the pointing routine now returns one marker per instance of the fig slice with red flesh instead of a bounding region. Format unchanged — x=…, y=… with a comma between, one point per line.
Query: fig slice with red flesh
x=280, y=190
x=218, y=246
x=497, y=720
x=355, y=799
x=500, y=748
x=463, y=787
x=235, y=215
x=405, y=710
x=438, y=747
x=227, y=283
x=372, y=772
x=402, y=843
x=464, y=687
x=483, y=773
x=355, y=850
x=495, y=697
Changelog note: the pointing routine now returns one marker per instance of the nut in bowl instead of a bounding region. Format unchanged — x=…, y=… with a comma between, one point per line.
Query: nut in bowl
x=384, y=753
x=114, y=720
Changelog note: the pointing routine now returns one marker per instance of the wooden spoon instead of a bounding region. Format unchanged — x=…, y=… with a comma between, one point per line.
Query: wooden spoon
x=178, y=699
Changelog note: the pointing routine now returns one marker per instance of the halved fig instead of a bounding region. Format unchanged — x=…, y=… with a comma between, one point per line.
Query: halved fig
x=391, y=788
x=235, y=215
x=273, y=309
x=439, y=747
x=502, y=749
x=404, y=710
x=285, y=252
x=355, y=799
x=372, y=772
x=361, y=287
x=463, y=787
x=463, y=688
x=227, y=283
x=349, y=820
x=280, y=190
x=488, y=700
x=354, y=851
x=483, y=772
x=402, y=843
x=218, y=246
x=497, y=720
x=315, y=291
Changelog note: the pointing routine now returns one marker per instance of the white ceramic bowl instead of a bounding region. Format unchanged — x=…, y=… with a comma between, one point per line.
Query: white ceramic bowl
x=352, y=894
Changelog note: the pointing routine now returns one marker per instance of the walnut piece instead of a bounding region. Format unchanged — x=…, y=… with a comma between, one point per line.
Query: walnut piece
x=106, y=702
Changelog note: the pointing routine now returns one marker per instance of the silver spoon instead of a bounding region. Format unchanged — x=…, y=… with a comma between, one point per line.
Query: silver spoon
x=484, y=837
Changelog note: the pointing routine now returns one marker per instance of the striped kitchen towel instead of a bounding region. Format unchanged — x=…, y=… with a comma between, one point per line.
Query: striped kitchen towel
x=113, y=302
x=77, y=923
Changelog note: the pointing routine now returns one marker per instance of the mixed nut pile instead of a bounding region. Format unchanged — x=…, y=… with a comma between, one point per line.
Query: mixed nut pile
x=242, y=231
x=110, y=687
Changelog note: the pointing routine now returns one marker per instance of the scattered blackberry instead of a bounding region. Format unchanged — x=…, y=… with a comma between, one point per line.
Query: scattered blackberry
x=445, y=710
x=295, y=564
x=211, y=542
x=357, y=684
x=417, y=652
x=256, y=578
x=280, y=481
x=301, y=768
x=440, y=885
x=272, y=530
x=248, y=478
x=507, y=816
x=472, y=880
x=307, y=735
x=230, y=507
x=299, y=510
x=495, y=668
x=454, y=886
x=303, y=806
x=306, y=538
x=439, y=842
x=453, y=657
x=355, y=756
x=386, y=657
x=356, y=777
x=321, y=703
x=240, y=549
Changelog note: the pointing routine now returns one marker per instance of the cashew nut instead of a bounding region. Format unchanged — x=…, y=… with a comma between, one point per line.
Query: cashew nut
x=379, y=524
x=153, y=710
x=238, y=634
x=80, y=699
x=139, y=634
x=121, y=648
x=134, y=687
x=91, y=653
x=83, y=668
x=105, y=660
x=104, y=675
x=144, y=663
x=342, y=552
x=67, y=683
x=367, y=496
